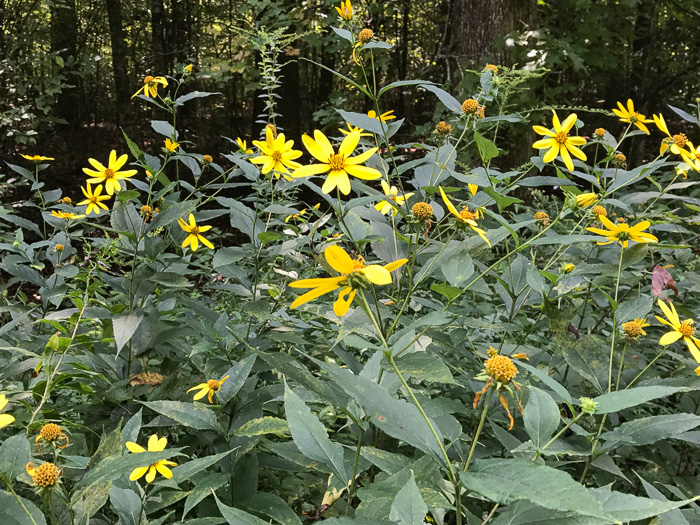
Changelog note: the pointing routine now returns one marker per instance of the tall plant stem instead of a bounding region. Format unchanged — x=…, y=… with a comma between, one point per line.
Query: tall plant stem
x=475, y=440
x=614, y=323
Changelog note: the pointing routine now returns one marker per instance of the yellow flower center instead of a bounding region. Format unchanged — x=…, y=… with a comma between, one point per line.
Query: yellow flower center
x=620, y=157
x=470, y=105
x=146, y=209
x=561, y=137
x=680, y=140
x=276, y=156
x=632, y=329
x=501, y=368
x=109, y=173
x=357, y=265
x=365, y=35
x=540, y=215
x=50, y=432
x=337, y=162
x=46, y=474
x=59, y=247
x=422, y=211
x=195, y=231
x=599, y=211
x=466, y=215
x=443, y=127
x=600, y=132
x=686, y=328
x=623, y=235
x=213, y=384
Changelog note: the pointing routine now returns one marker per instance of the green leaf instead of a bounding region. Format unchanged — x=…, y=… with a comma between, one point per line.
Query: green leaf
x=647, y=430
x=187, y=470
x=450, y=102
x=342, y=33
x=457, y=268
x=487, y=149
x=310, y=436
x=203, y=488
x=502, y=201
x=547, y=380
x=408, y=507
x=195, y=94
x=135, y=151
x=638, y=308
x=445, y=289
x=622, y=399
x=263, y=425
x=14, y=455
x=114, y=467
x=396, y=417
x=166, y=216
x=273, y=506
x=125, y=219
x=541, y=416
x=585, y=356
x=124, y=328
x=562, y=240
x=12, y=512
x=164, y=128
x=507, y=481
x=192, y=415
x=402, y=83
x=425, y=366
x=628, y=508
x=237, y=516
x=238, y=373
x=268, y=236
x=127, y=505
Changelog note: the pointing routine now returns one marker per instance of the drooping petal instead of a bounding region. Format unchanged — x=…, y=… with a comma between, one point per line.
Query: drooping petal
x=342, y=304
x=151, y=474
x=670, y=337
x=482, y=234
x=692, y=346
x=311, y=169
x=661, y=123
x=199, y=395
x=576, y=152
x=197, y=387
x=448, y=203
x=138, y=473
x=313, y=294
x=566, y=158
x=363, y=172
x=568, y=123
x=395, y=265
x=165, y=471
x=551, y=154
x=133, y=447
x=642, y=126
x=377, y=274
x=670, y=313
x=339, y=259
x=349, y=143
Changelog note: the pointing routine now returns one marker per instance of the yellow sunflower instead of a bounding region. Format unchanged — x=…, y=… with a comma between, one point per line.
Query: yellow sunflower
x=194, y=234
x=684, y=329
x=692, y=156
x=464, y=217
x=276, y=154
x=676, y=142
x=392, y=194
x=629, y=115
x=110, y=175
x=559, y=142
x=209, y=388
x=623, y=232
x=353, y=275
x=150, y=86
x=93, y=199
x=154, y=445
x=345, y=10
x=384, y=117
x=340, y=164
x=36, y=158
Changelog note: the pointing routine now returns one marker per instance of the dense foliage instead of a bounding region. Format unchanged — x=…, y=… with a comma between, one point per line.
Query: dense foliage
x=373, y=323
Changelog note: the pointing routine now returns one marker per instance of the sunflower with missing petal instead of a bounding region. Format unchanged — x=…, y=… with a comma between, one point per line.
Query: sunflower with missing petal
x=464, y=217
x=558, y=142
x=66, y=215
x=243, y=146
x=36, y=158
x=53, y=434
x=276, y=154
x=208, y=389
x=623, y=232
x=93, y=199
x=629, y=115
x=154, y=445
x=675, y=142
x=392, y=194
x=354, y=274
x=691, y=156
x=5, y=419
x=109, y=175
x=45, y=475
x=384, y=117
x=194, y=234
x=499, y=373
x=150, y=86
x=345, y=10
x=684, y=330
x=340, y=164
x=171, y=146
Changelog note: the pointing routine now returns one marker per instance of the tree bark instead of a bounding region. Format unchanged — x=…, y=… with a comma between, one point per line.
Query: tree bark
x=122, y=84
x=64, y=42
x=158, y=48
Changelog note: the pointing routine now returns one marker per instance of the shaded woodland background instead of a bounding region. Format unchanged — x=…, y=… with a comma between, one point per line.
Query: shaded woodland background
x=68, y=68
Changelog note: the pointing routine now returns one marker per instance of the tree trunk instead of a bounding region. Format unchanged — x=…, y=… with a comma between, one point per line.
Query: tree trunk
x=64, y=42
x=158, y=48
x=476, y=24
x=123, y=87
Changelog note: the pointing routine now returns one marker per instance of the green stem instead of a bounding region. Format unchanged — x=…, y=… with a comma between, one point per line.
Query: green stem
x=614, y=321
x=351, y=488
x=646, y=368
x=21, y=503
x=479, y=428
x=558, y=434
x=622, y=361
